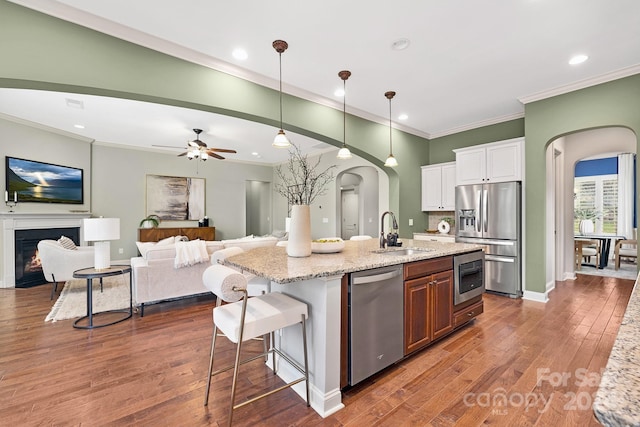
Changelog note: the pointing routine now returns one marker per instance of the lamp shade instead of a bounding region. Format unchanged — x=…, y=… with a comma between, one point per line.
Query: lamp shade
x=101, y=229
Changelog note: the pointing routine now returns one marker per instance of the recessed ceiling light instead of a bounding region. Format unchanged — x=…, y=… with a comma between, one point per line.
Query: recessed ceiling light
x=339, y=92
x=578, y=59
x=78, y=126
x=400, y=44
x=240, y=54
x=403, y=117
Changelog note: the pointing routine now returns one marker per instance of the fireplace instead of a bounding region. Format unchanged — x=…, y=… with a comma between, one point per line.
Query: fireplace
x=13, y=222
x=28, y=266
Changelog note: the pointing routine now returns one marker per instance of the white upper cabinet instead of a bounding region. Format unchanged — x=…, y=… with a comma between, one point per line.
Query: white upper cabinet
x=439, y=187
x=494, y=162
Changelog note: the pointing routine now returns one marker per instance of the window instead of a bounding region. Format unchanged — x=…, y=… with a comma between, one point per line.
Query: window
x=599, y=193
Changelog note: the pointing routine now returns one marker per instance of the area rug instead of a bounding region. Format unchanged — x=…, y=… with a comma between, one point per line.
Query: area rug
x=72, y=302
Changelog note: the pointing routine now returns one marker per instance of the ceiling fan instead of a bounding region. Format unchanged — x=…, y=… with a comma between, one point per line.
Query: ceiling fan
x=197, y=149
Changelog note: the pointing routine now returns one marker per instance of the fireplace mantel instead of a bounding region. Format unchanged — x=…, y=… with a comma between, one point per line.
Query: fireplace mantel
x=29, y=221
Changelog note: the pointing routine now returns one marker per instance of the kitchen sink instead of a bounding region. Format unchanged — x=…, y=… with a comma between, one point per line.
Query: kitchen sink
x=402, y=251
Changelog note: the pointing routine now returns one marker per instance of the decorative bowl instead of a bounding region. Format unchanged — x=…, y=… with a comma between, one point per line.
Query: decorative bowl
x=327, y=245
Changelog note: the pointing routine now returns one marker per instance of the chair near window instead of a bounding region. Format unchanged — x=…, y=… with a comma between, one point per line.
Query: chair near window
x=585, y=249
x=626, y=248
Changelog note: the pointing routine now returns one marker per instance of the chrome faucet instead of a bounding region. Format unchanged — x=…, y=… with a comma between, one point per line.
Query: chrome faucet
x=383, y=240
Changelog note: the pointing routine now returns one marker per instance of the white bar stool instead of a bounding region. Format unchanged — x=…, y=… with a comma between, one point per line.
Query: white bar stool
x=245, y=318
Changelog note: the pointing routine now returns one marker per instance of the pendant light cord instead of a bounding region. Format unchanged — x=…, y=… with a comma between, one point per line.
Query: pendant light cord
x=390, y=143
x=344, y=113
x=280, y=61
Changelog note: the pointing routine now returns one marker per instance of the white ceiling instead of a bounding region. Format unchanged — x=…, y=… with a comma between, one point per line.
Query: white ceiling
x=469, y=63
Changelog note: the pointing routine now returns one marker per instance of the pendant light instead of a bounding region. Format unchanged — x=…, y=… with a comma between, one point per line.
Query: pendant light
x=391, y=161
x=344, y=152
x=281, y=140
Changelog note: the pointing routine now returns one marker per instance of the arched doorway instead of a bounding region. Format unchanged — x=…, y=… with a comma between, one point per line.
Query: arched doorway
x=358, y=201
x=562, y=155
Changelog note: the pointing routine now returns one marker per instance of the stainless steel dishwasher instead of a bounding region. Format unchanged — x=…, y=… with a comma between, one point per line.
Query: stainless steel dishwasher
x=376, y=321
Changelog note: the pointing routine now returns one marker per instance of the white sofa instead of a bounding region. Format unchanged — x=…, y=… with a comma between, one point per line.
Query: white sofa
x=155, y=278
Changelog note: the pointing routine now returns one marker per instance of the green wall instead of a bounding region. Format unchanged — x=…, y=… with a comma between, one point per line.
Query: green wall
x=616, y=103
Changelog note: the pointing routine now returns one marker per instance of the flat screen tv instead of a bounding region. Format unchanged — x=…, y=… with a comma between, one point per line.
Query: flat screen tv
x=43, y=182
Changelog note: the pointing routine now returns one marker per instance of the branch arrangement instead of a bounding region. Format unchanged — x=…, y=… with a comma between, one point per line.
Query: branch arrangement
x=300, y=182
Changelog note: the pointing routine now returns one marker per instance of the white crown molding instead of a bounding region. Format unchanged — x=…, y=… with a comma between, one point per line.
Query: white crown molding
x=561, y=90
x=476, y=125
x=46, y=128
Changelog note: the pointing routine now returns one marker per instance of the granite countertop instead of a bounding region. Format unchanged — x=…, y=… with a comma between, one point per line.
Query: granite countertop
x=274, y=264
x=617, y=401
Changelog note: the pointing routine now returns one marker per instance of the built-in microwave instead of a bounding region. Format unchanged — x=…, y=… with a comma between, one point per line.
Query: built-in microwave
x=468, y=270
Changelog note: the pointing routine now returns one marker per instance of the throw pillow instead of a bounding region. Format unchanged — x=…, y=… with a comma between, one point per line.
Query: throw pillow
x=143, y=247
x=167, y=241
x=67, y=243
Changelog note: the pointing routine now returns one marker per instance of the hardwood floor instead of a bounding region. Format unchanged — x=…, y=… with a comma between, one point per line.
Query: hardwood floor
x=519, y=363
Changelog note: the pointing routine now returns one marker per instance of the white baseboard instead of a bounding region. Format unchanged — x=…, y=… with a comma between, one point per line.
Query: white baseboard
x=550, y=286
x=536, y=296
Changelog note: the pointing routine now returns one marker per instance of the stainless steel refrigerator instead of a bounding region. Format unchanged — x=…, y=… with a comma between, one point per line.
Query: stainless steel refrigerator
x=490, y=215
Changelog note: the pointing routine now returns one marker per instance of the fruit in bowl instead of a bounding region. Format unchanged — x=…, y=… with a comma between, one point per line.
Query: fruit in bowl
x=327, y=245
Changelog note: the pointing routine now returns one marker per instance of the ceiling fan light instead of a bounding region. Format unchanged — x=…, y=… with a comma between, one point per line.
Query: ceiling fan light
x=344, y=153
x=281, y=140
x=190, y=155
x=204, y=156
x=391, y=161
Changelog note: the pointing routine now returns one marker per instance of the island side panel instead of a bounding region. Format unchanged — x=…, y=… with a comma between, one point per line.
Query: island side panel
x=323, y=297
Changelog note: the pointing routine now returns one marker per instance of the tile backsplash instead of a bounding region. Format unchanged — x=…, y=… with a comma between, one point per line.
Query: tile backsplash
x=436, y=217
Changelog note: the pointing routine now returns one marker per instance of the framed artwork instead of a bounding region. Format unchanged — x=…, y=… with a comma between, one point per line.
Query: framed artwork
x=175, y=198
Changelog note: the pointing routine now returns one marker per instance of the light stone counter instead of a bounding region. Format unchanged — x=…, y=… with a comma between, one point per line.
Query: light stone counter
x=274, y=264
x=617, y=401
x=317, y=280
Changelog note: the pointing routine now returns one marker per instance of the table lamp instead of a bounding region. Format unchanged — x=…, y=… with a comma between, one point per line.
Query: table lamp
x=101, y=231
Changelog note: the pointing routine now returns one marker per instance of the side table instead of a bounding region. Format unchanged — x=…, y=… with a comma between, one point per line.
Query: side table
x=92, y=273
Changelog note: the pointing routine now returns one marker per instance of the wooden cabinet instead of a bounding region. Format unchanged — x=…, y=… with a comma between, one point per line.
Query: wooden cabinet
x=494, y=162
x=428, y=296
x=468, y=313
x=439, y=187
x=159, y=233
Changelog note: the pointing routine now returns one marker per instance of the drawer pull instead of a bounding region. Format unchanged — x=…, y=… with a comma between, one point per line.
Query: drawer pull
x=471, y=313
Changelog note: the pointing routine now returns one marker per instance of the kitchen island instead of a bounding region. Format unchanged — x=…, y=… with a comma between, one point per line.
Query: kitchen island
x=317, y=280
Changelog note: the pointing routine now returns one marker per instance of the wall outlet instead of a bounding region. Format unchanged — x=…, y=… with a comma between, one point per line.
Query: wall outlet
x=410, y=222
x=120, y=250
x=325, y=220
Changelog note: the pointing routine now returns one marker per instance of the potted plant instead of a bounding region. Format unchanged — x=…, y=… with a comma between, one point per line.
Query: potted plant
x=151, y=221
x=300, y=182
x=586, y=216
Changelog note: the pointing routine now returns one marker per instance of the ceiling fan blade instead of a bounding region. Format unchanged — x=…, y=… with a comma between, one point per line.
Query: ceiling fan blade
x=217, y=156
x=221, y=150
x=183, y=154
x=198, y=143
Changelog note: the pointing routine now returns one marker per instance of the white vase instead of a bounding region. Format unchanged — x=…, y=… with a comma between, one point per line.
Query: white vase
x=586, y=226
x=299, y=244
